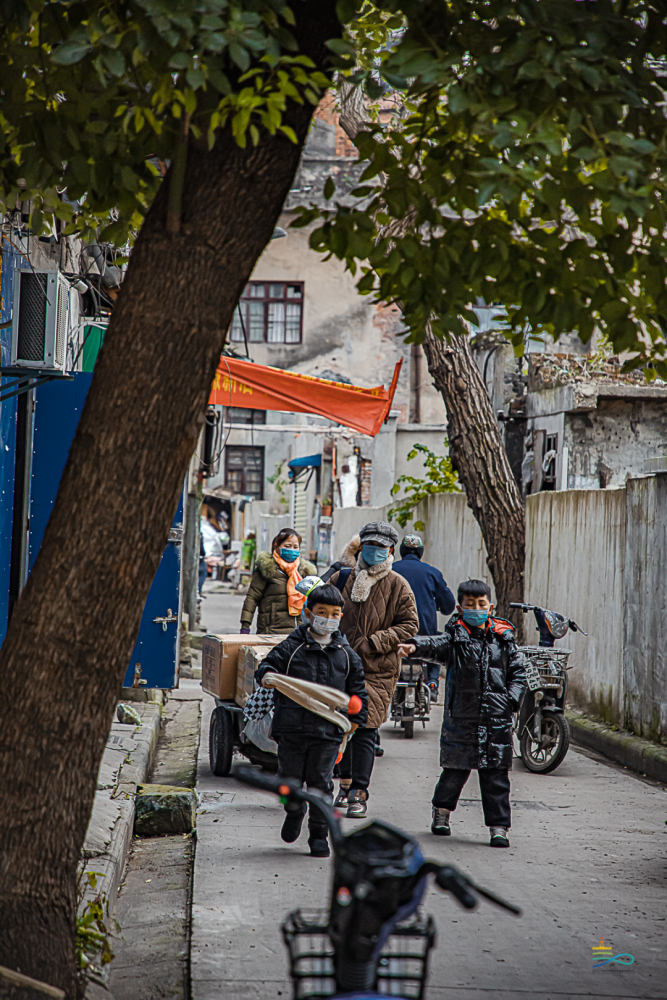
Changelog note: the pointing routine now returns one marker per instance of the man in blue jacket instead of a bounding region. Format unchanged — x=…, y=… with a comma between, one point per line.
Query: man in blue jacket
x=431, y=594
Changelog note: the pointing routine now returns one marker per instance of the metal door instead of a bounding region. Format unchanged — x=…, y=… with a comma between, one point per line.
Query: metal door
x=58, y=407
x=154, y=661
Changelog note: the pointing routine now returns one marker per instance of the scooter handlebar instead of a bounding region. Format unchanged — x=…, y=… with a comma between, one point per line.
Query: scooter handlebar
x=464, y=889
x=451, y=880
x=290, y=788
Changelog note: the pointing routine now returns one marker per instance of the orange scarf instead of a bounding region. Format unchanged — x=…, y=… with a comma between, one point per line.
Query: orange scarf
x=295, y=600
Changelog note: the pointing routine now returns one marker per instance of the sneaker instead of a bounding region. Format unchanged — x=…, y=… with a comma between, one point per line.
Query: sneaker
x=440, y=822
x=434, y=688
x=341, y=799
x=379, y=751
x=356, y=805
x=292, y=827
x=319, y=847
x=499, y=836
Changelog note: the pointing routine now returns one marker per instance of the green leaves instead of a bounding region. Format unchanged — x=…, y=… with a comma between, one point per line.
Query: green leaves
x=94, y=92
x=440, y=478
x=529, y=168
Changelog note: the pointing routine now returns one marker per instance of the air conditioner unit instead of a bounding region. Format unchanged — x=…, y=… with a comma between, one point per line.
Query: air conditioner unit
x=40, y=320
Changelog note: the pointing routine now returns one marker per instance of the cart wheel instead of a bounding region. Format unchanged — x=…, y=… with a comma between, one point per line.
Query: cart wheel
x=221, y=741
x=544, y=759
x=409, y=728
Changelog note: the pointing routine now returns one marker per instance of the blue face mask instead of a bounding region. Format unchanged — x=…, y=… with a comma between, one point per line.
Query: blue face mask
x=476, y=618
x=289, y=555
x=373, y=555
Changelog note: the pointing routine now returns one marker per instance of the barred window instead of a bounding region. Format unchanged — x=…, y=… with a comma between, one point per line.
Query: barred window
x=272, y=313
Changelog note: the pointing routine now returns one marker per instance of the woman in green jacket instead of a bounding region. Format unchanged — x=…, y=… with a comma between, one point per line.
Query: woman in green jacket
x=273, y=586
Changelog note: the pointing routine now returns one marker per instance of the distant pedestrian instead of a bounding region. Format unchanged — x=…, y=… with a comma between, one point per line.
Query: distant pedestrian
x=308, y=744
x=272, y=592
x=485, y=681
x=431, y=594
x=212, y=541
x=379, y=614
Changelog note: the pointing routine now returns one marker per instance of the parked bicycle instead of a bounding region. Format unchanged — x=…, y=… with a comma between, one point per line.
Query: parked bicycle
x=373, y=941
x=540, y=724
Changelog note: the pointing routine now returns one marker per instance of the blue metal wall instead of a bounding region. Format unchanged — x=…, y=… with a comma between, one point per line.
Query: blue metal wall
x=58, y=408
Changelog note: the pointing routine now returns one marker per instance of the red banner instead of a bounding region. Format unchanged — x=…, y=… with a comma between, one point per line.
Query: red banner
x=258, y=387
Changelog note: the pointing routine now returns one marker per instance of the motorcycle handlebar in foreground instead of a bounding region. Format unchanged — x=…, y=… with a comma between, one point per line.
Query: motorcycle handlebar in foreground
x=379, y=879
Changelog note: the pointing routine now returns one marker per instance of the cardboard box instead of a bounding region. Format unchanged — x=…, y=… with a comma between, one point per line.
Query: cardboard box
x=219, y=656
x=249, y=658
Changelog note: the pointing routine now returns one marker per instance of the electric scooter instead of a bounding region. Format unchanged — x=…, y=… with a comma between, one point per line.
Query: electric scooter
x=540, y=724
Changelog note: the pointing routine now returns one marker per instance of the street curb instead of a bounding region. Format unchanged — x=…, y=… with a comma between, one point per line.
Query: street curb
x=125, y=764
x=620, y=746
x=116, y=804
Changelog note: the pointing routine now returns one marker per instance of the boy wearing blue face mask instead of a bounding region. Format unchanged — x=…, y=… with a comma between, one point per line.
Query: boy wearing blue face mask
x=485, y=681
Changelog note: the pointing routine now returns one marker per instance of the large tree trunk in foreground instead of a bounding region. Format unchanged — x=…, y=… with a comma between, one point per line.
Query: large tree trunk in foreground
x=74, y=627
x=478, y=455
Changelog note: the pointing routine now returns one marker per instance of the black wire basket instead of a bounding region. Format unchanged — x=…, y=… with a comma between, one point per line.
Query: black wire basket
x=402, y=969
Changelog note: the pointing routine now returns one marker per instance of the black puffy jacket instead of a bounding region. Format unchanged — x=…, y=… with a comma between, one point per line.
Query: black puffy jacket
x=335, y=665
x=485, y=681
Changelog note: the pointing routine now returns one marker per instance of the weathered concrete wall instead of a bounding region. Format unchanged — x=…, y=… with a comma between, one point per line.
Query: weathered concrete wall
x=614, y=440
x=452, y=539
x=645, y=607
x=343, y=332
x=597, y=556
x=575, y=551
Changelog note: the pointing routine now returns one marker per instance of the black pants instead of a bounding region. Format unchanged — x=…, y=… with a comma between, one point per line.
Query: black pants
x=310, y=760
x=494, y=784
x=358, y=759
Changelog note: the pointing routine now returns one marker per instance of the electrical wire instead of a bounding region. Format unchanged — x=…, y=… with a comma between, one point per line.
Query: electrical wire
x=245, y=335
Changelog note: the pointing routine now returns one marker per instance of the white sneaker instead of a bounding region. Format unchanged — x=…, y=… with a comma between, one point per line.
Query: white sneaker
x=440, y=822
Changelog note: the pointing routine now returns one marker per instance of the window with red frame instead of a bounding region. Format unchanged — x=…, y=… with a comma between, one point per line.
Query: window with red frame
x=272, y=312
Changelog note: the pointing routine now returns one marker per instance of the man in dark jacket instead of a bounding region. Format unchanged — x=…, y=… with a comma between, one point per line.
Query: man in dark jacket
x=485, y=681
x=308, y=744
x=431, y=594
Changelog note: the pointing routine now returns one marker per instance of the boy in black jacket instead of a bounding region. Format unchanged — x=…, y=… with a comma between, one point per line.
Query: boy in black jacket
x=485, y=681
x=308, y=745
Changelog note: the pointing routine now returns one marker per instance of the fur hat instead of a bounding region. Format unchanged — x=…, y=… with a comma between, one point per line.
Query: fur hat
x=348, y=556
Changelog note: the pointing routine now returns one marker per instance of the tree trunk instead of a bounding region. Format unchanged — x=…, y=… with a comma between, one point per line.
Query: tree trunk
x=73, y=629
x=478, y=455
x=476, y=448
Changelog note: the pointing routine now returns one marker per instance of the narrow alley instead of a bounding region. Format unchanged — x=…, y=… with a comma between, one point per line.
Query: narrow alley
x=588, y=859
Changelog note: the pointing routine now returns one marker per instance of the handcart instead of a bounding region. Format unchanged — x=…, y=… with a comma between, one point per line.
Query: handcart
x=228, y=665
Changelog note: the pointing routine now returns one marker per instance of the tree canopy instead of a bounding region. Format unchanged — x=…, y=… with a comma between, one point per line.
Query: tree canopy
x=526, y=167
x=93, y=93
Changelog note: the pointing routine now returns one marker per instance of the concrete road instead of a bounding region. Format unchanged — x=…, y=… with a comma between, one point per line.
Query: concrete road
x=588, y=859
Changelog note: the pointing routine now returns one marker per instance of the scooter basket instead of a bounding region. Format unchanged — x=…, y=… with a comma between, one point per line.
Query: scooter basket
x=402, y=969
x=545, y=668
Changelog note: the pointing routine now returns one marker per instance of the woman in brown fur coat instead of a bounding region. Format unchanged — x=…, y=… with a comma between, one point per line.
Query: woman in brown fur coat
x=380, y=613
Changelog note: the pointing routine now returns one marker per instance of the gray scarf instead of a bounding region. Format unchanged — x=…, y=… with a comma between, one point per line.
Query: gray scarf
x=365, y=576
